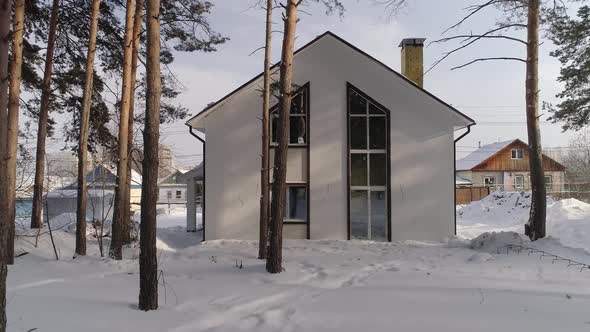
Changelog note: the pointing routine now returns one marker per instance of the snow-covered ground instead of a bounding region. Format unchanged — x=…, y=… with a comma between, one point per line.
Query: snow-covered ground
x=326, y=285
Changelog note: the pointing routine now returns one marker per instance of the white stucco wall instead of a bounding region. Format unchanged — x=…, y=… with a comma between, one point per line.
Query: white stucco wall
x=422, y=179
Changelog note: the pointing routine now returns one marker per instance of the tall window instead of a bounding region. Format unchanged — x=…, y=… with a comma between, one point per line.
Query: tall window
x=297, y=119
x=519, y=182
x=517, y=153
x=548, y=183
x=368, y=143
x=178, y=194
x=296, y=203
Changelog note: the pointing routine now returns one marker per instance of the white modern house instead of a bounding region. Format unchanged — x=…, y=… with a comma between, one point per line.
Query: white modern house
x=371, y=153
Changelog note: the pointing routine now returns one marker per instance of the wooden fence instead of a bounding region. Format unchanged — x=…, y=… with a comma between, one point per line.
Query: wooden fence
x=466, y=195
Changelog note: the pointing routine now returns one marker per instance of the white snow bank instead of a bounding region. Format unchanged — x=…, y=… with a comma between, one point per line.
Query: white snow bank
x=568, y=220
x=491, y=242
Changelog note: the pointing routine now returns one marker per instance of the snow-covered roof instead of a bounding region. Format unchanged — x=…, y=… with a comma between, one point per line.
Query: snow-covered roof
x=478, y=156
x=461, y=181
x=135, y=176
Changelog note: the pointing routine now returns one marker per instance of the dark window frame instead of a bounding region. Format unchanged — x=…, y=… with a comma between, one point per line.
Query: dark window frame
x=350, y=88
x=517, y=154
x=302, y=91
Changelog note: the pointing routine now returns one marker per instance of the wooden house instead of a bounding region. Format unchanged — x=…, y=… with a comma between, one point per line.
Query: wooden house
x=505, y=166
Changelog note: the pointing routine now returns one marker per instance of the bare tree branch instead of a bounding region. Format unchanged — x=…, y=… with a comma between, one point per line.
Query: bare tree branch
x=488, y=59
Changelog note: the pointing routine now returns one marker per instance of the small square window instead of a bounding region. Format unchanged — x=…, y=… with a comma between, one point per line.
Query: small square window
x=178, y=194
x=169, y=194
x=517, y=153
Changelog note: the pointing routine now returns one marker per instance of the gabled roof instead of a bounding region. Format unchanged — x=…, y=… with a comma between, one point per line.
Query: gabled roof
x=486, y=152
x=212, y=106
x=172, y=178
x=480, y=155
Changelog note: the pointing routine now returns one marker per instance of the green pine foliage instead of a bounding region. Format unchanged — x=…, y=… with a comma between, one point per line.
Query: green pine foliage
x=185, y=28
x=572, y=37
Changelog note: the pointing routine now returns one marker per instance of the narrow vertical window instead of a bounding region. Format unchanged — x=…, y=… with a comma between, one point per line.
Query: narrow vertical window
x=368, y=125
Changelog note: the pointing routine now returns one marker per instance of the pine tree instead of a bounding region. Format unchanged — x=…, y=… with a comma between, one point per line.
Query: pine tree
x=116, y=251
x=275, y=253
x=275, y=249
x=148, y=261
x=535, y=228
x=265, y=167
x=15, y=69
x=84, y=132
x=36, y=219
x=4, y=41
x=134, y=59
x=570, y=35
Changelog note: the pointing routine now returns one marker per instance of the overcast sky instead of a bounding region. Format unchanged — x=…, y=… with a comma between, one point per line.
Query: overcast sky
x=492, y=93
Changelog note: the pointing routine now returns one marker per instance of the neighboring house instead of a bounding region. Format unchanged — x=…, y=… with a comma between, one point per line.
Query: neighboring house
x=171, y=190
x=194, y=197
x=101, y=182
x=505, y=166
x=371, y=153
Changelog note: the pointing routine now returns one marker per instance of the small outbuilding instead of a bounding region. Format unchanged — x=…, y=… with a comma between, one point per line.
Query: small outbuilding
x=371, y=153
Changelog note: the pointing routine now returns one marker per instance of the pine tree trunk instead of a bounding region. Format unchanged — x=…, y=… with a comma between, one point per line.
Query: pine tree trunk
x=148, y=263
x=84, y=124
x=535, y=229
x=264, y=176
x=5, y=9
x=36, y=217
x=116, y=251
x=275, y=253
x=4, y=40
x=134, y=59
x=15, y=68
x=3, y=274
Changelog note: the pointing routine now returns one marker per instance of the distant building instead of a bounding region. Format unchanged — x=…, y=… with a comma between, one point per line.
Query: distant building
x=171, y=190
x=505, y=166
x=101, y=182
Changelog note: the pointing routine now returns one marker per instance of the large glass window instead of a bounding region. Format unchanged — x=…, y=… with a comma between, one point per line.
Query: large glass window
x=297, y=119
x=368, y=168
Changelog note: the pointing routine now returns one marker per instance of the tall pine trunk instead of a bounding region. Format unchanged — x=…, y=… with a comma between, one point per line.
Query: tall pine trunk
x=83, y=139
x=4, y=38
x=5, y=10
x=264, y=173
x=275, y=252
x=535, y=229
x=116, y=251
x=36, y=216
x=148, y=262
x=15, y=68
x=134, y=59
